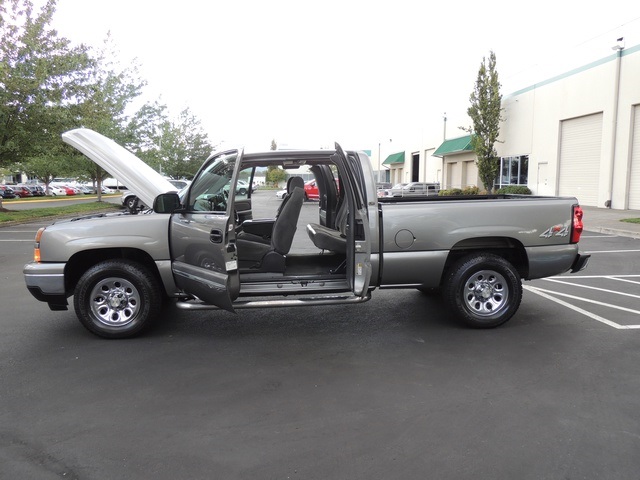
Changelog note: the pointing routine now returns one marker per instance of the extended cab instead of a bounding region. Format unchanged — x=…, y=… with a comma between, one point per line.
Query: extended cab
x=205, y=249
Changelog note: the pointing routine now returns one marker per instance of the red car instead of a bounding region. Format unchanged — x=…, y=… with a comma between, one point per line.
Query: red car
x=69, y=190
x=21, y=191
x=311, y=190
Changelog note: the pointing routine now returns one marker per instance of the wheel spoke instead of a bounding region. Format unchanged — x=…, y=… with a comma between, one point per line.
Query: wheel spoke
x=486, y=293
x=115, y=301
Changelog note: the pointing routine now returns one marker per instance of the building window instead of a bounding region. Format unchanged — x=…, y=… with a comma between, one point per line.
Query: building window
x=513, y=170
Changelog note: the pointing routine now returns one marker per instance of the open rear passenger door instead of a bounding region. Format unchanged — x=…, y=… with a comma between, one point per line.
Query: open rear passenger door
x=358, y=233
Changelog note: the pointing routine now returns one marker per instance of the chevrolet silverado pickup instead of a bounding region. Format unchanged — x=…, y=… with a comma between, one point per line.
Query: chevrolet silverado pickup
x=204, y=249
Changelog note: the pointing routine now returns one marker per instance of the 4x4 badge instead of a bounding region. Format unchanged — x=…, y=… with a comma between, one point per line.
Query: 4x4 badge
x=555, y=231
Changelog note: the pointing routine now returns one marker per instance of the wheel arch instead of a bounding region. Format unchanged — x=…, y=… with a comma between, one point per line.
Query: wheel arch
x=508, y=248
x=80, y=262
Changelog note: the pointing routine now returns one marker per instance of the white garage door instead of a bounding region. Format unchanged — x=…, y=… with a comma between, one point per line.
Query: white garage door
x=634, y=177
x=470, y=175
x=580, y=142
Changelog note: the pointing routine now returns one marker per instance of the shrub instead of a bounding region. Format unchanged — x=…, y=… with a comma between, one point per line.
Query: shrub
x=450, y=192
x=514, y=190
x=458, y=191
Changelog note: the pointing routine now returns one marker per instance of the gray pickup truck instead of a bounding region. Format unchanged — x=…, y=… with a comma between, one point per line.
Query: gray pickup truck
x=204, y=249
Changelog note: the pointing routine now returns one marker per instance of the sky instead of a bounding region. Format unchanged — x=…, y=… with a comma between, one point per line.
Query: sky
x=367, y=74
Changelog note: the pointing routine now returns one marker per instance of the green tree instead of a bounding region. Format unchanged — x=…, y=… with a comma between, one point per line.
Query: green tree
x=275, y=174
x=146, y=127
x=486, y=114
x=45, y=168
x=183, y=146
x=41, y=78
x=105, y=106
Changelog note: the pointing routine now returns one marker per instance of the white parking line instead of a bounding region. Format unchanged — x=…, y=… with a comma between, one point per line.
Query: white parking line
x=618, y=279
x=592, y=288
x=612, y=251
x=547, y=294
x=600, y=276
x=16, y=240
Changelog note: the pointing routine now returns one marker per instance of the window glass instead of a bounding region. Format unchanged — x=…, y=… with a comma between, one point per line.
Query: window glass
x=210, y=190
x=524, y=170
x=514, y=170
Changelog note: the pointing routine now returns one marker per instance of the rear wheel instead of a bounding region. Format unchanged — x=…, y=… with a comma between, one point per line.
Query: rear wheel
x=117, y=298
x=483, y=290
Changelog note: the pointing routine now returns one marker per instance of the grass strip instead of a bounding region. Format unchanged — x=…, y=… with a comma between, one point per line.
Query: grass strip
x=7, y=215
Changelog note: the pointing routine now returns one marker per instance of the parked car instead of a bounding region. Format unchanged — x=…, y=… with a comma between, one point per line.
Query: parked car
x=6, y=192
x=414, y=189
x=243, y=187
x=133, y=204
x=281, y=193
x=311, y=190
x=85, y=189
x=21, y=191
x=56, y=191
x=36, y=189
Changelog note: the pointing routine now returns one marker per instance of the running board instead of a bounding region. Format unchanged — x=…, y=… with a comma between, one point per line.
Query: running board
x=294, y=302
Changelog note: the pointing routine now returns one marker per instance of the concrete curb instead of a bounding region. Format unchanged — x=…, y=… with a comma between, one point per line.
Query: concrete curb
x=614, y=231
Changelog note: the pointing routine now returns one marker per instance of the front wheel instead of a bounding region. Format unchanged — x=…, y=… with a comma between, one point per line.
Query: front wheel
x=483, y=290
x=117, y=298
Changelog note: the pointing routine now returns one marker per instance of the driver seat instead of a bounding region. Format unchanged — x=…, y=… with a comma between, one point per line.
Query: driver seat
x=258, y=256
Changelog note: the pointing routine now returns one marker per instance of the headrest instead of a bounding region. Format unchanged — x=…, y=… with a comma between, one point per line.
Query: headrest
x=294, y=182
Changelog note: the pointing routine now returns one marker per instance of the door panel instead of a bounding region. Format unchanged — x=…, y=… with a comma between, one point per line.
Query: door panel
x=203, y=234
x=358, y=241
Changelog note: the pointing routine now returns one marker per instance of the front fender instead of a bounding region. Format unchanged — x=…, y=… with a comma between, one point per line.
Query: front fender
x=149, y=233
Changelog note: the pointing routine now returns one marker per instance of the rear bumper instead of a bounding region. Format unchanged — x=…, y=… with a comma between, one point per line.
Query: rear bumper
x=580, y=263
x=551, y=260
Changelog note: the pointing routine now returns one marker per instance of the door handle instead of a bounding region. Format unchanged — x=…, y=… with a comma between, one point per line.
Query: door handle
x=215, y=236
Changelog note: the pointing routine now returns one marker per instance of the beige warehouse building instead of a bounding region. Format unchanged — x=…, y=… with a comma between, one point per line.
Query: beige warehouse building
x=575, y=134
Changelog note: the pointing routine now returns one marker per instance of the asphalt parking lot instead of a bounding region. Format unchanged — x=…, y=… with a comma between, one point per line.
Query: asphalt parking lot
x=391, y=389
x=608, y=290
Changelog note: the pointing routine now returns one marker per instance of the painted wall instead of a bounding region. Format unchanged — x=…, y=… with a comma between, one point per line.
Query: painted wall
x=533, y=118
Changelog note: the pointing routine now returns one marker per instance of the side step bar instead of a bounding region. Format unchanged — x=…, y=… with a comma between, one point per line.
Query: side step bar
x=294, y=302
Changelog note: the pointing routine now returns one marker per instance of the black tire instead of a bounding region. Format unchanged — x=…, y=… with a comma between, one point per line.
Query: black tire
x=242, y=191
x=132, y=204
x=117, y=298
x=483, y=290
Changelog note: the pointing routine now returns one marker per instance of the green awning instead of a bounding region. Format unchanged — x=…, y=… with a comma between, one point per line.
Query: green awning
x=453, y=146
x=394, y=158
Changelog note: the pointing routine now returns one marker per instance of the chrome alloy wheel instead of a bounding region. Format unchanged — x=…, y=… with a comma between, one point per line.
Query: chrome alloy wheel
x=115, y=301
x=486, y=292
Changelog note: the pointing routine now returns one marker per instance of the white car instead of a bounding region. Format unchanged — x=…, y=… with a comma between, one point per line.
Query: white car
x=56, y=191
x=133, y=204
x=281, y=193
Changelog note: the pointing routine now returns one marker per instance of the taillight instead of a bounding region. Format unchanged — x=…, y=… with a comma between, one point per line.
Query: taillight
x=36, y=249
x=577, y=226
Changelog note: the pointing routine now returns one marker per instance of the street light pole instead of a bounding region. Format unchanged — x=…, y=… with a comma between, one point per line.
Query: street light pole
x=379, y=165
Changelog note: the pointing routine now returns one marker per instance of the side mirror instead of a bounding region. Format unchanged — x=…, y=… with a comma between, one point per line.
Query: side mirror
x=166, y=203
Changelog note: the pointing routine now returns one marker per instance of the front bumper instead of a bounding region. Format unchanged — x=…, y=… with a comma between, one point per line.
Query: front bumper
x=45, y=281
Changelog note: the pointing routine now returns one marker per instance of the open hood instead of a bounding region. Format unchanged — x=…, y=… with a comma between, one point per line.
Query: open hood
x=123, y=165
